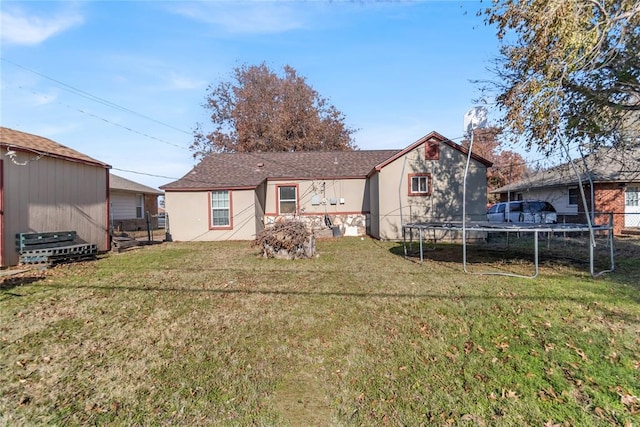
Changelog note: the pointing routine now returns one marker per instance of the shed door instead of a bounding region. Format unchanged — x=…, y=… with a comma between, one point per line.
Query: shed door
x=632, y=207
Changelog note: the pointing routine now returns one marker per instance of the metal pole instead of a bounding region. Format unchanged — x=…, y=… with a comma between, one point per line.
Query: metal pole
x=464, y=203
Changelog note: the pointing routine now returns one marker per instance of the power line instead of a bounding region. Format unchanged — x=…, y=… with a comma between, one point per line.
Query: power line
x=108, y=121
x=92, y=97
x=105, y=102
x=144, y=173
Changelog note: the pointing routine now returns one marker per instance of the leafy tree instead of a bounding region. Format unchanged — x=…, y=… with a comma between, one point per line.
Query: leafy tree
x=508, y=166
x=568, y=70
x=261, y=111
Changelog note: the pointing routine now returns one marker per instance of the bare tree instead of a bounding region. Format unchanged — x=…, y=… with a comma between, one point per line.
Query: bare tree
x=261, y=111
x=508, y=166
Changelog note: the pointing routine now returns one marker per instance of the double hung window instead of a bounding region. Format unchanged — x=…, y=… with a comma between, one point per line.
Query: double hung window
x=139, y=205
x=419, y=184
x=220, y=209
x=287, y=199
x=574, y=196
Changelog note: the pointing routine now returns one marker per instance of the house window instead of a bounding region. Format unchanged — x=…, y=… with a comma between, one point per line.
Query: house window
x=420, y=184
x=574, y=196
x=287, y=199
x=220, y=209
x=139, y=205
x=632, y=196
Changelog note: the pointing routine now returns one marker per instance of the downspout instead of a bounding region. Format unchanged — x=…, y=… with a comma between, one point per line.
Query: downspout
x=108, y=211
x=404, y=164
x=464, y=204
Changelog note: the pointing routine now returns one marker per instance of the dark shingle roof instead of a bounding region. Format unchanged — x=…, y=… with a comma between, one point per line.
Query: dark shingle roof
x=40, y=145
x=119, y=183
x=605, y=165
x=248, y=170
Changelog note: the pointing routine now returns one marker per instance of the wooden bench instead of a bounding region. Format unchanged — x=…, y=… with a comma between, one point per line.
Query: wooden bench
x=53, y=247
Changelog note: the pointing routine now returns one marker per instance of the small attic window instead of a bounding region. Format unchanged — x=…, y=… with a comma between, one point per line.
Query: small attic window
x=432, y=150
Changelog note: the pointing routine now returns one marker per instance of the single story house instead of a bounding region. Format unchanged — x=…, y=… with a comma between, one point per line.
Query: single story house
x=131, y=204
x=615, y=173
x=45, y=186
x=374, y=192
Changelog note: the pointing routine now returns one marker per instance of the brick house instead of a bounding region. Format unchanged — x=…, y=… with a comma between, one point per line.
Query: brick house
x=615, y=174
x=131, y=204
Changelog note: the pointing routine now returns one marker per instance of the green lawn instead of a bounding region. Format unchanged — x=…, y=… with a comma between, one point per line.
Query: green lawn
x=212, y=334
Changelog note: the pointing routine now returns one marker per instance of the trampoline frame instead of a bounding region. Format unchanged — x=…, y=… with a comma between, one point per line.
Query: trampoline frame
x=536, y=229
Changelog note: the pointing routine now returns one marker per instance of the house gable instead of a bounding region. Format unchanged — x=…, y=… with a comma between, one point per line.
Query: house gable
x=30, y=144
x=424, y=183
x=431, y=143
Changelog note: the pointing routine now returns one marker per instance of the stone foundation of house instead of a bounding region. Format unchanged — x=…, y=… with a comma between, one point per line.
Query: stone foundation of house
x=347, y=224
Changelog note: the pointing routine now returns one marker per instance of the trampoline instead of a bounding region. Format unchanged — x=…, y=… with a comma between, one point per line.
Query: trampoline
x=423, y=228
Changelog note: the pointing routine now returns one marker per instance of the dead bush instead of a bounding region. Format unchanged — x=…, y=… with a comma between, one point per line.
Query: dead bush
x=286, y=239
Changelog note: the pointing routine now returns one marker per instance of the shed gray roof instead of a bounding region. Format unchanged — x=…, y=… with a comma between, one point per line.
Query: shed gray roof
x=248, y=170
x=23, y=141
x=605, y=165
x=119, y=183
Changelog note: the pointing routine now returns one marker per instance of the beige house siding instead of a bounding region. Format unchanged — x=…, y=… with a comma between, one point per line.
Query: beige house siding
x=362, y=192
x=344, y=201
x=337, y=196
x=374, y=205
x=189, y=216
x=444, y=203
x=52, y=194
x=260, y=201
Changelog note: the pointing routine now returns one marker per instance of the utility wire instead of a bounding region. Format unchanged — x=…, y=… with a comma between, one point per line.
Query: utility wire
x=115, y=106
x=92, y=97
x=146, y=135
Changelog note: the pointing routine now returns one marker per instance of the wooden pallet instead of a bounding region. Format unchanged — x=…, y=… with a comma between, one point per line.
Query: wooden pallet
x=53, y=247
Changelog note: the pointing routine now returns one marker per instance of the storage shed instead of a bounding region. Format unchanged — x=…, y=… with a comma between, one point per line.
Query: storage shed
x=46, y=186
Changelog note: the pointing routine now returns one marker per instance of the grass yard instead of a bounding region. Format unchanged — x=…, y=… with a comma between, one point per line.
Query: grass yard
x=213, y=334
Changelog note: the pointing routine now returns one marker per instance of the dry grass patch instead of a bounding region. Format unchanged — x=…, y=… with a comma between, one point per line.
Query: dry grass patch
x=214, y=334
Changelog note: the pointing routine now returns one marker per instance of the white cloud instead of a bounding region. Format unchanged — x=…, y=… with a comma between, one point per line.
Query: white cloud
x=23, y=29
x=241, y=17
x=181, y=82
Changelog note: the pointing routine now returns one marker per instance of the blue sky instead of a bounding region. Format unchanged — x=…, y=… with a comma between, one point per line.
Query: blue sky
x=124, y=81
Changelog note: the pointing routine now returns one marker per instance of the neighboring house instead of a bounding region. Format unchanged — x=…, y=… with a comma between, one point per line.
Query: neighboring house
x=615, y=174
x=235, y=195
x=45, y=186
x=130, y=204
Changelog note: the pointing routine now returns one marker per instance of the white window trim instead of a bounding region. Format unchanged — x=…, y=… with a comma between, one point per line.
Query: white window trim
x=418, y=179
x=294, y=200
x=139, y=206
x=220, y=209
